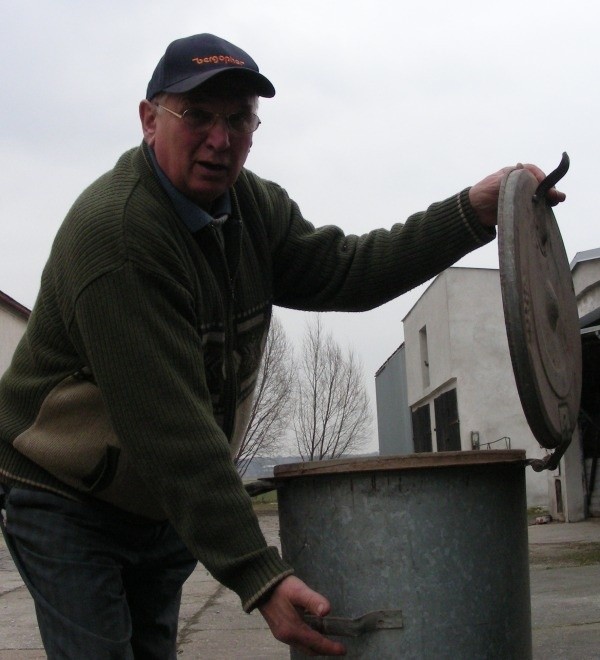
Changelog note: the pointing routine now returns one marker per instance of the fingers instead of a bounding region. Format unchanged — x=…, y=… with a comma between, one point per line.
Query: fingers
x=301, y=595
x=553, y=196
x=536, y=171
x=311, y=642
x=281, y=612
x=288, y=627
x=484, y=195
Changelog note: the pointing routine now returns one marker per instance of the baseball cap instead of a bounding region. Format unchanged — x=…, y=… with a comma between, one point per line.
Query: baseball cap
x=191, y=61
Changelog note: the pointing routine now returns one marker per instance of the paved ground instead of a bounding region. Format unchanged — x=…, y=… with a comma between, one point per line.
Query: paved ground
x=565, y=598
x=565, y=590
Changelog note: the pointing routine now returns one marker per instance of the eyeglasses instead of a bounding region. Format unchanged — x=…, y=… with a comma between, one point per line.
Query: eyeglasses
x=199, y=121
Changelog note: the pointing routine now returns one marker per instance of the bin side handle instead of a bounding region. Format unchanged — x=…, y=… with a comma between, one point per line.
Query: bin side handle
x=260, y=486
x=344, y=627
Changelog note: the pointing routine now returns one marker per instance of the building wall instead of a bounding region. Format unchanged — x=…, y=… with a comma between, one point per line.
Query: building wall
x=573, y=476
x=586, y=281
x=468, y=349
x=394, y=427
x=430, y=373
x=12, y=327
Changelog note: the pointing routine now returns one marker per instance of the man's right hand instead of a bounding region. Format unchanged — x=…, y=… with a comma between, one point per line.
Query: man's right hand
x=281, y=612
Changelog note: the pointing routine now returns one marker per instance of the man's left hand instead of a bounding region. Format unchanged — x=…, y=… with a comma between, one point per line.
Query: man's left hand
x=484, y=195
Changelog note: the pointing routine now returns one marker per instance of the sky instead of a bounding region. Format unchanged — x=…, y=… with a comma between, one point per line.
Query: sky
x=382, y=108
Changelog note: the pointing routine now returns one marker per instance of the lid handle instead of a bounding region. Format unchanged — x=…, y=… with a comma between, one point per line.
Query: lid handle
x=552, y=179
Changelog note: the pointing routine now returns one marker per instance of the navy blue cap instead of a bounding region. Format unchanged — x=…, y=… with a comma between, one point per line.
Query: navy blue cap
x=191, y=61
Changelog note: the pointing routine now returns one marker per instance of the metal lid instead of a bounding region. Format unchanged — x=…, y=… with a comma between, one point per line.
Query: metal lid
x=540, y=310
x=422, y=460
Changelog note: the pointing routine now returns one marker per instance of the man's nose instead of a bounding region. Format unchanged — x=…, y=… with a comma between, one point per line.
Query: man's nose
x=218, y=133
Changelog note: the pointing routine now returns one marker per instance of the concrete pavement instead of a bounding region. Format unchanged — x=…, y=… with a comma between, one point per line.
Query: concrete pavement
x=565, y=590
x=565, y=597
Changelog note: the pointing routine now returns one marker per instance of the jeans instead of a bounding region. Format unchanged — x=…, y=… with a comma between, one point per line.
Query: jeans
x=106, y=584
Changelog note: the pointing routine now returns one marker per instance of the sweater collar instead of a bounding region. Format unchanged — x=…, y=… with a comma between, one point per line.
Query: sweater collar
x=194, y=217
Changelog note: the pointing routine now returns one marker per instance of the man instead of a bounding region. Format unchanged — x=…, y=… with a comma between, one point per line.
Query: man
x=130, y=390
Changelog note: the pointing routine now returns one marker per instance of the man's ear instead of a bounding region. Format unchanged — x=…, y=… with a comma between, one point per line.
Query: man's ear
x=148, y=113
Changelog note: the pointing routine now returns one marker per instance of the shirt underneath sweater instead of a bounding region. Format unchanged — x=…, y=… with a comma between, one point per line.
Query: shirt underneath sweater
x=133, y=381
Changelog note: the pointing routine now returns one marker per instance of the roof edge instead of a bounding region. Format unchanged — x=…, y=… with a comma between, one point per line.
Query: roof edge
x=586, y=255
x=14, y=306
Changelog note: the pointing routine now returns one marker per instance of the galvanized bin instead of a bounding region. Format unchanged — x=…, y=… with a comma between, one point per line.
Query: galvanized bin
x=434, y=543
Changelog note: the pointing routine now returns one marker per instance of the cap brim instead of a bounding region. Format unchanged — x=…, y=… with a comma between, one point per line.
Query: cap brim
x=261, y=84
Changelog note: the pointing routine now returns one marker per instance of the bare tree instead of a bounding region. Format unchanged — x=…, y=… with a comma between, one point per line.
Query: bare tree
x=332, y=416
x=272, y=404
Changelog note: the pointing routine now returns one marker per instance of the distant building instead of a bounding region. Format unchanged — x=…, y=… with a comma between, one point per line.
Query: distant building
x=585, y=269
x=394, y=423
x=450, y=385
x=577, y=482
x=460, y=386
x=13, y=319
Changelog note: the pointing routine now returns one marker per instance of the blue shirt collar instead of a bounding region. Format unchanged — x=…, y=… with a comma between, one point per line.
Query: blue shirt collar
x=194, y=217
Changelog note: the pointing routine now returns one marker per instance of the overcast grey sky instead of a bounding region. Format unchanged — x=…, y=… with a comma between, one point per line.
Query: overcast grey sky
x=382, y=107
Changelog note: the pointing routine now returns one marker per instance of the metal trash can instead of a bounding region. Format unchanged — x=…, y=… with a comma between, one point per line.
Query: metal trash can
x=425, y=556
x=422, y=556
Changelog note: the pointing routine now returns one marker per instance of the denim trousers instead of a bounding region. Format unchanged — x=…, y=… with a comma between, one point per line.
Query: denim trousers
x=106, y=584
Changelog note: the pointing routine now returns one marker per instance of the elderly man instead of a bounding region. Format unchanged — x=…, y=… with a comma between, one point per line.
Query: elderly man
x=130, y=390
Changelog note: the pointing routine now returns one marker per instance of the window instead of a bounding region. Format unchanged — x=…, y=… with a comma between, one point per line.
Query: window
x=424, y=356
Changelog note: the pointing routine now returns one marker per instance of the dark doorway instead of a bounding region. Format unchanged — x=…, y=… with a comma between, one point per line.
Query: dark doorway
x=447, y=427
x=421, y=422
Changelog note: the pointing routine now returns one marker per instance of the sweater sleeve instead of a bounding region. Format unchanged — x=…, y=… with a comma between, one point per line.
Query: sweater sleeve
x=137, y=330
x=322, y=269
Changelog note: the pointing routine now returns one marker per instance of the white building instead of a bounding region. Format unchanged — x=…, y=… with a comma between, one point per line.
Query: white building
x=13, y=319
x=585, y=269
x=461, y=390
x=576, y=489
x=451, y=385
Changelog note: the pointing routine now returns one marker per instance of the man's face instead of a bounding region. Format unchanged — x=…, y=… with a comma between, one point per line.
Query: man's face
x=201, y=165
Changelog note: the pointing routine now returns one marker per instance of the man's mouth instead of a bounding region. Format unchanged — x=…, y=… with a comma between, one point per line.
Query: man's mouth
x=213, y=167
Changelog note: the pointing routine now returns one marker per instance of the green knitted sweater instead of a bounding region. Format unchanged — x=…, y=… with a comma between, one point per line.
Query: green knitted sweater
x=133, y=381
